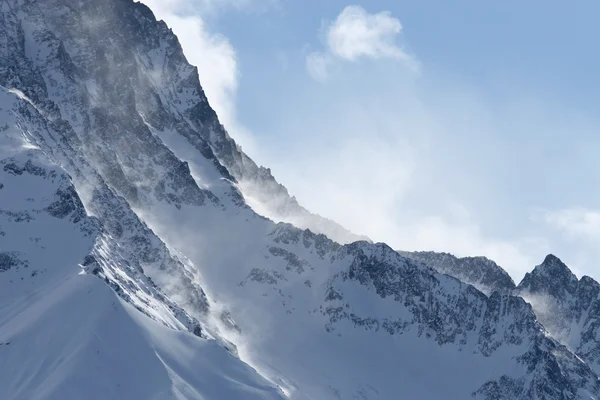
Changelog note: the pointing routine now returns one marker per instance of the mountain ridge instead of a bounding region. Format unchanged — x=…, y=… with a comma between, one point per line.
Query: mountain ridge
x=104, y=92
x=480, y=272
x=567, y=307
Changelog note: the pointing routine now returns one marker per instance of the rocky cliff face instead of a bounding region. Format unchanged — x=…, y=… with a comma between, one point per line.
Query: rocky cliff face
x=565, y=305
x=102, y=91
x=480, y=272
x=568, y=307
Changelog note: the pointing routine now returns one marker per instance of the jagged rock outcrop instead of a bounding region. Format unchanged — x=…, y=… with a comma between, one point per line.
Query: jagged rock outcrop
x=568, y=307
x=480, y=272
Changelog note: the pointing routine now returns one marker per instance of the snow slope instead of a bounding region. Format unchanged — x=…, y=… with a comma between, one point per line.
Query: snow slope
x=75, y=339
x=65, y=334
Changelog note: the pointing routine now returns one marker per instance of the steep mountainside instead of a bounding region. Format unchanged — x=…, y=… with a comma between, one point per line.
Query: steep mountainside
x=568, y=307
x=480, y=272
x=64, y=334
x=155, y=207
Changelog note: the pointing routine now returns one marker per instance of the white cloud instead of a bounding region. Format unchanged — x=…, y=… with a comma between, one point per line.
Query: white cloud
x=576, y=222
x=575, y=233
x=357, y=34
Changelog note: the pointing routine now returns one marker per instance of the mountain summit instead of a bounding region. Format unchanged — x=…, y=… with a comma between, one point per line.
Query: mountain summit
x=568, y=308
x=133, y=267
x=552, y=277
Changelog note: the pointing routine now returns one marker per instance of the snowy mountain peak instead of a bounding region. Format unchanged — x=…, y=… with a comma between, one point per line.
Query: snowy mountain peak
x=567, y=307
x=551, y=259
x=551, y=276
x=552, y=265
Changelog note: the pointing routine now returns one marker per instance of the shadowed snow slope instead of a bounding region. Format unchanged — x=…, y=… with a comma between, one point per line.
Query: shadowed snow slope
x=75, y=339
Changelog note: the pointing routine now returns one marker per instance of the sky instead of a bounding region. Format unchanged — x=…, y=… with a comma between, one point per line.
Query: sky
x=468, y=127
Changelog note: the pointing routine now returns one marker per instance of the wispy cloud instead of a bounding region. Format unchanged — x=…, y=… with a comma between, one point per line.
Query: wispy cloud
x=576, y=222
x=356, y=34
x=317, y=65
x=573, y=232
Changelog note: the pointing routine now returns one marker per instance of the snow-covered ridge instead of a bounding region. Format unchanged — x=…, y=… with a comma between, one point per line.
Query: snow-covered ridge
x=112, y=101
x=480, y=272
x=568, y=307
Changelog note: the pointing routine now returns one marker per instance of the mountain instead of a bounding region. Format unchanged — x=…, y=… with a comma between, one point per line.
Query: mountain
x=132, y=266
x=64, y=334
x=480, y=272
x=568, y=307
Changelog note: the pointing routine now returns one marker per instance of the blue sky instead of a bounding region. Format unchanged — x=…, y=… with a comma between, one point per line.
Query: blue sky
x=469, y=127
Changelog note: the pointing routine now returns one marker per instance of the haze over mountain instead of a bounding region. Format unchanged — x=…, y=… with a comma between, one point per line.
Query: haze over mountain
x=474, y=153
x=133, y=264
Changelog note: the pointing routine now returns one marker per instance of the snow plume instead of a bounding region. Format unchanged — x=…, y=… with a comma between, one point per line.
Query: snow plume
x=579, y=228
x=377, y=156
x=208, y=249
x=549, y=312
x=577, y=222
x=418, y=160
